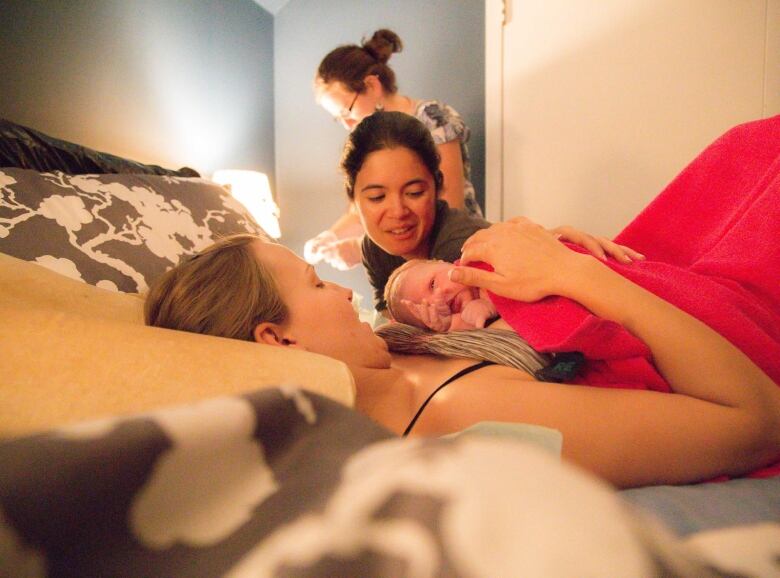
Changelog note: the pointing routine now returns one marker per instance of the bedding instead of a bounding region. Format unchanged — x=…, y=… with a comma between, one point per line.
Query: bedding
x=73, y=352
x=115, y=231
x=709, y=243
x=287, y=483
x=27, y=148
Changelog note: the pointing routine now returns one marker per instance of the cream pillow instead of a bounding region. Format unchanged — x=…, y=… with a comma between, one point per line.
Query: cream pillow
x=25, y=284
x=72, y=351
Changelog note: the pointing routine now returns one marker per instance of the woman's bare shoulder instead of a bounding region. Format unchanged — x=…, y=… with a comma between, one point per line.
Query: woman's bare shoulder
x=428, y=372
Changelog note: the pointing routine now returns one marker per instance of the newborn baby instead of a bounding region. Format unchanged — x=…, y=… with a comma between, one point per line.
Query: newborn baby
x=420, y=293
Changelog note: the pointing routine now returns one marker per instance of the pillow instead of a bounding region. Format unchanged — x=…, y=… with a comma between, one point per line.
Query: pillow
x=26, y=148
x=114, y=231
x=74, y=352
x=30, y=286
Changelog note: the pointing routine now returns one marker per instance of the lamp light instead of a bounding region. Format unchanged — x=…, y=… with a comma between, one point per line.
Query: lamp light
x=251, y=189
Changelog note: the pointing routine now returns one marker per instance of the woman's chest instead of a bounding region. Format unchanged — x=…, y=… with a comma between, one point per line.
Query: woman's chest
x=427, y=373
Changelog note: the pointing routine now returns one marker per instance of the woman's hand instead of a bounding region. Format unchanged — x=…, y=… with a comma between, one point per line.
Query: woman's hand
x=599, y=247
x=314, y=247
x=341, y=254
x=529, y=262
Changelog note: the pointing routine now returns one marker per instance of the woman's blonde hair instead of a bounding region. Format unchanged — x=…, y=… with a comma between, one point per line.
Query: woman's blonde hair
x=223, y=290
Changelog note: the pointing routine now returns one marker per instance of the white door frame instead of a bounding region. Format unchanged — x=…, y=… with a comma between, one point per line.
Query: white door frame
x=495, y=18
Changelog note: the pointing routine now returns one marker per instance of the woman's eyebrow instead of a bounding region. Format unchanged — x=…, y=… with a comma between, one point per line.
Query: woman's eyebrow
x=372, y=186
x=419, y=181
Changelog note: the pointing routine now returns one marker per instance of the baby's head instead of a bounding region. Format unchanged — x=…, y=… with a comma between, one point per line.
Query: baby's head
x=421, y=279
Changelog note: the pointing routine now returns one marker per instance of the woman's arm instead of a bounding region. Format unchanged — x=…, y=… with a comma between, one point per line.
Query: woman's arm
x=339, y=245
x=724, y=417
x=348, y=224
x=452, y=168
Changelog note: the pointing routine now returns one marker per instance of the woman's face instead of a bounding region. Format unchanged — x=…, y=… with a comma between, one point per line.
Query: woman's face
x=396, y=199
x=321, y=317
x=346, y=106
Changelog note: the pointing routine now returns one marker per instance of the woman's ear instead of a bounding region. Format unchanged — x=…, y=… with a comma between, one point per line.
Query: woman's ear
x=271, y=334
x=373, y=86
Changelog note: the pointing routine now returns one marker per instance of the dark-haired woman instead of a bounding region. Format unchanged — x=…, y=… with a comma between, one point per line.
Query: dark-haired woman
x=392, y=178
x=353, y=82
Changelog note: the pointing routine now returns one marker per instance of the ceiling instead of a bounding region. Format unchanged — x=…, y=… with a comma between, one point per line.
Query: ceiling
x=272, y=6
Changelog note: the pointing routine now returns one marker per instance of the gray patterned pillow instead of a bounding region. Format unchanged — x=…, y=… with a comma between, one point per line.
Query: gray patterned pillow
x=116, y=231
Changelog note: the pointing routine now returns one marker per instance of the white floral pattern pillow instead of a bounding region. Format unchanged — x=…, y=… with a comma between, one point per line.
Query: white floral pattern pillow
x=116, y=231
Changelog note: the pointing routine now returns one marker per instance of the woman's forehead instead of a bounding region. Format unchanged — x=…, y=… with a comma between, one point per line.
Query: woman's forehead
x=278, y=257
x=333, y=95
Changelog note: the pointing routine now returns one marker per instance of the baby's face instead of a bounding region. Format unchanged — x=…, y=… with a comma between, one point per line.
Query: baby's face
x=429, y=280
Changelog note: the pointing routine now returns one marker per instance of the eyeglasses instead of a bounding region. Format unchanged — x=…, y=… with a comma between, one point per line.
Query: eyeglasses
x=345, y=113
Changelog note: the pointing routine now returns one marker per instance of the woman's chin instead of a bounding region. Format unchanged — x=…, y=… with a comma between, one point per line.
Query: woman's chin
x=400, y=245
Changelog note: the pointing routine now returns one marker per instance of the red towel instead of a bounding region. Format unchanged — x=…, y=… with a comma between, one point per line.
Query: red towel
x=712, y=242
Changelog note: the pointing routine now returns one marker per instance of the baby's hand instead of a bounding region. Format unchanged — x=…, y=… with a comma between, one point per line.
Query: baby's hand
x=434, y=314
x=477, y=312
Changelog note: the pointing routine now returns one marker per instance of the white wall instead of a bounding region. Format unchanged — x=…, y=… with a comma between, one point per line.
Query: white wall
x=604, y=101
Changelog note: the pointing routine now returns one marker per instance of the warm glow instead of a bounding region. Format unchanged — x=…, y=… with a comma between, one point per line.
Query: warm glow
x=252, y=190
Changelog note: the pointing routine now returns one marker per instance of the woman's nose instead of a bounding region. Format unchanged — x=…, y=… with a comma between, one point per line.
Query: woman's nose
x=397, y=206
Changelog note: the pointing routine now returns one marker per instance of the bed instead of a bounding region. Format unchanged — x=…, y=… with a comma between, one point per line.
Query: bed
x=127, y=450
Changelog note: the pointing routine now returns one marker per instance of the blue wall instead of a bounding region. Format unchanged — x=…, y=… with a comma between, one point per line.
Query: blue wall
x=223, y=84
x=173, y=82
x=443, y=58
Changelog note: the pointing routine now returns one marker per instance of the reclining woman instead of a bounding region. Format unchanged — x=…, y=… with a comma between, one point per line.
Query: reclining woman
x=723, y=418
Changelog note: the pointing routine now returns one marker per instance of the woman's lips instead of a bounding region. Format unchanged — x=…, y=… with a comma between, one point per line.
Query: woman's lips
x=401, y=233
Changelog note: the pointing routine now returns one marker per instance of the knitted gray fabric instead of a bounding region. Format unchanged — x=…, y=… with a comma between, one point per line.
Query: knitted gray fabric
x=498, y=345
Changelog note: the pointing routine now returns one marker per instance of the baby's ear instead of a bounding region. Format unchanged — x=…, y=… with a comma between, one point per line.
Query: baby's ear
x=271, y=334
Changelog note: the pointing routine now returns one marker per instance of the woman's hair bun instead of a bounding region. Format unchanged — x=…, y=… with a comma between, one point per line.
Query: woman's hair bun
x=383, y=44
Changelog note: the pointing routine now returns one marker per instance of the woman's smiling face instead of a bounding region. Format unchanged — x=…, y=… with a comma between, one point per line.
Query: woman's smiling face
x=395, y=196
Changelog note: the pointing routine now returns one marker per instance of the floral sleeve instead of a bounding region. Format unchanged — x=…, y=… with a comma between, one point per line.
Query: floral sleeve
x=443, y=121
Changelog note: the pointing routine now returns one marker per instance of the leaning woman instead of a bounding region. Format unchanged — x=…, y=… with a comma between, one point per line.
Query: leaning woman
x=392, y=174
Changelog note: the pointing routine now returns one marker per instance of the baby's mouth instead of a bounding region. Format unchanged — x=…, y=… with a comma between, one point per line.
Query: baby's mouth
x=456, y=304
x=459, y=301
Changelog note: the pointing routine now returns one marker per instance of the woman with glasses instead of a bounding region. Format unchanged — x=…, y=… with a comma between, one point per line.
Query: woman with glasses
x=353, y=82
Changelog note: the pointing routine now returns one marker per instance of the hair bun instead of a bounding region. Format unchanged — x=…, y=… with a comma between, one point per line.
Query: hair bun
x=383, y=44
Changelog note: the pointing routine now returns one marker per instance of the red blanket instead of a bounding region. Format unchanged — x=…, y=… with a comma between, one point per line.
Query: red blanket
x=711, y=242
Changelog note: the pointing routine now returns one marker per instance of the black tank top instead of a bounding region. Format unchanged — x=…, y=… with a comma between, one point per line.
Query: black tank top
x=458, y=375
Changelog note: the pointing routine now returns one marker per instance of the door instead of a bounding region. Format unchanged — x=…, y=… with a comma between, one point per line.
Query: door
x=603, y=102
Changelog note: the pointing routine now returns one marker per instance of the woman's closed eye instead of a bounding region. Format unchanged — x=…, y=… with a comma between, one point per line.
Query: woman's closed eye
x=415, y=194
x=376, y=198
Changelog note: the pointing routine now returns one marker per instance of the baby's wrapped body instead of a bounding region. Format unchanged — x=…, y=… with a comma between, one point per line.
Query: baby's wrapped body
x=420, y=293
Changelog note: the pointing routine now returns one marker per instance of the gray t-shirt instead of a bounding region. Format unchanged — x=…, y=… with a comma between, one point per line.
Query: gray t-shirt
x=450, y=230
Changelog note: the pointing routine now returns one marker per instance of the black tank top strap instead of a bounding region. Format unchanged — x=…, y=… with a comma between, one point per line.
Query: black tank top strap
x=458, y=375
